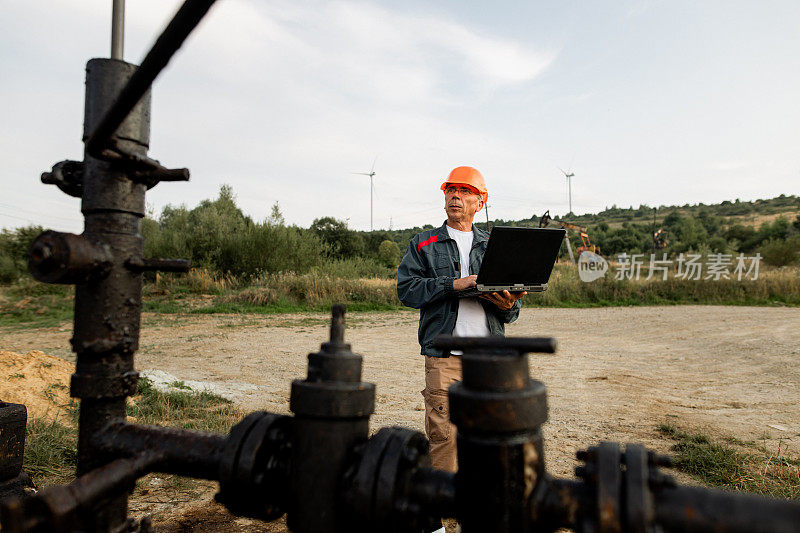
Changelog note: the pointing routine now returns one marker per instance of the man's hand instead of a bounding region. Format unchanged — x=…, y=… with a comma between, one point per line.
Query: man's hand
x=503, y=300
x=460, y=284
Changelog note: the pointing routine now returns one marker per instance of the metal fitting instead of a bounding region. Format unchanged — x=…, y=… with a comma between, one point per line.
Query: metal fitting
x=254, y=466
x=332, y=408
x=389, y=486
x=67, y=258
x=498, y=411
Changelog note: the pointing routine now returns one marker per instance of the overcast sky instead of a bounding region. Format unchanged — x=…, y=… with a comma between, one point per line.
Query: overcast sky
x=648, y=102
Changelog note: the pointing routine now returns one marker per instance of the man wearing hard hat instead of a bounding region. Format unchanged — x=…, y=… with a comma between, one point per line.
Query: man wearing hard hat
x=438, y=263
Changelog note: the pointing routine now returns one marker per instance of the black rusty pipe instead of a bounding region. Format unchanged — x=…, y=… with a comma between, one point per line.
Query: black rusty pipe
x=108, y=292
x=332, y=409
x=56, y=257
x=498, y=411
x=435, y=491
x=560, y=503
x=572, y=504
x=108, y=307
x=694, y=509
x=182, y=452
x=142, y=264
x=13, y=423
x=74, y=507
x=179, y=28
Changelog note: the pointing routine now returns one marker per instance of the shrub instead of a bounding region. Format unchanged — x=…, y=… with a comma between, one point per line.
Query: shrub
x=342, y=241
x=778, y=252
x=50, y=451
x=389, y=253
x=8, y=269
x=354, y=268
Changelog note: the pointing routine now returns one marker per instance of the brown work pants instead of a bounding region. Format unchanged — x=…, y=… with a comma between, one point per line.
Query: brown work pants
x=440, y=373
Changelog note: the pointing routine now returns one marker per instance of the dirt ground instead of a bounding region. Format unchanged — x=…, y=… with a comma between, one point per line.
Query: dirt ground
x=37, y=380
x=617, y=375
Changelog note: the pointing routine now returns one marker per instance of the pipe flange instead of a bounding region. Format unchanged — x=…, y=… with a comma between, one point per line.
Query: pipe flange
x=377, y=486
x=254, y=470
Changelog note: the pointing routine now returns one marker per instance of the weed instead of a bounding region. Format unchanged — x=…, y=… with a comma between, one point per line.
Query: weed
x=50, y=451
x=184, y=409
x=202, y=292
x=28, y=303
x=180, y=385
x=732, y=464
x=773, y=287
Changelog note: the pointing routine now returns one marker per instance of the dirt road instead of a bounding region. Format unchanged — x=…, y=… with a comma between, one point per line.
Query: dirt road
x=618, y=373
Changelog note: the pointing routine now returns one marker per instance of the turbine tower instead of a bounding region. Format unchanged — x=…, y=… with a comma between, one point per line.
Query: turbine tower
x=568, y=175
x=371, y=175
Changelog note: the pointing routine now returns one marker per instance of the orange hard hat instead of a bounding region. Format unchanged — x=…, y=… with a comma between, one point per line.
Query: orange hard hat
x=471, y=178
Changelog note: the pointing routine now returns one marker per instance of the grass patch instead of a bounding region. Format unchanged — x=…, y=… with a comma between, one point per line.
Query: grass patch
x=28, y=303
x=243, y=307
x=51, y=445
x=201, y=411
x=774, y=287
x=735, y=465
x=50, y=451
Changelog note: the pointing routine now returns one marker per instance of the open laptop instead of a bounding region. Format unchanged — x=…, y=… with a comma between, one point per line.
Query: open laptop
x=516, y=260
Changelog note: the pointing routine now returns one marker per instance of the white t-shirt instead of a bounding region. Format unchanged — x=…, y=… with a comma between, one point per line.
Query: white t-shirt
x=471, y=321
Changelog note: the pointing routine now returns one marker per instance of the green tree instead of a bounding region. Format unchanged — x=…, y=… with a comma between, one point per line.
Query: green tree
x=211, y=222
x=343, y=242
x=389, y=253
x=779, y=252
x=275, y=216
x=14, y=246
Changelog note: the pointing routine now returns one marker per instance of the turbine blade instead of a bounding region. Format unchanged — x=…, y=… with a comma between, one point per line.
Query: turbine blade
x=373, y=164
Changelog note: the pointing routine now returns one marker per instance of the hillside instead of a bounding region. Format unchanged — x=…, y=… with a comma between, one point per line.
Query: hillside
x=727, y=227
x=217, y=236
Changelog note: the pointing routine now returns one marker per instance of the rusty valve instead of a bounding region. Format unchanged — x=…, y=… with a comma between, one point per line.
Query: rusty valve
x=67, y=176
x=56, y=257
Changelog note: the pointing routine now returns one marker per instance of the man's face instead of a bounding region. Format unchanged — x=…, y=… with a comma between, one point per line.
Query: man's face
x=461, y=202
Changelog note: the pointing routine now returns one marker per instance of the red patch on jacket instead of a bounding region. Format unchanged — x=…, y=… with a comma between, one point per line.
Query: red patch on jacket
x=426, y=242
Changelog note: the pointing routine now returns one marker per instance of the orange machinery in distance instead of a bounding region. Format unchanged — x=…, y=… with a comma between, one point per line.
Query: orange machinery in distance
x=587, y=244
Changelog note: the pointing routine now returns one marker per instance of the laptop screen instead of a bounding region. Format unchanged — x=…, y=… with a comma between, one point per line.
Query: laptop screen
x=520, y=255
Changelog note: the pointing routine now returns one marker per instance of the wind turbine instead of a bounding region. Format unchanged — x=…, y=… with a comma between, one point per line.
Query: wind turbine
x=371, y=175
x=568, y=175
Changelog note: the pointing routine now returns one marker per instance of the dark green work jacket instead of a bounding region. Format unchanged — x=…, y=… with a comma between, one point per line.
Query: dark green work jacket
x=425, y=282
